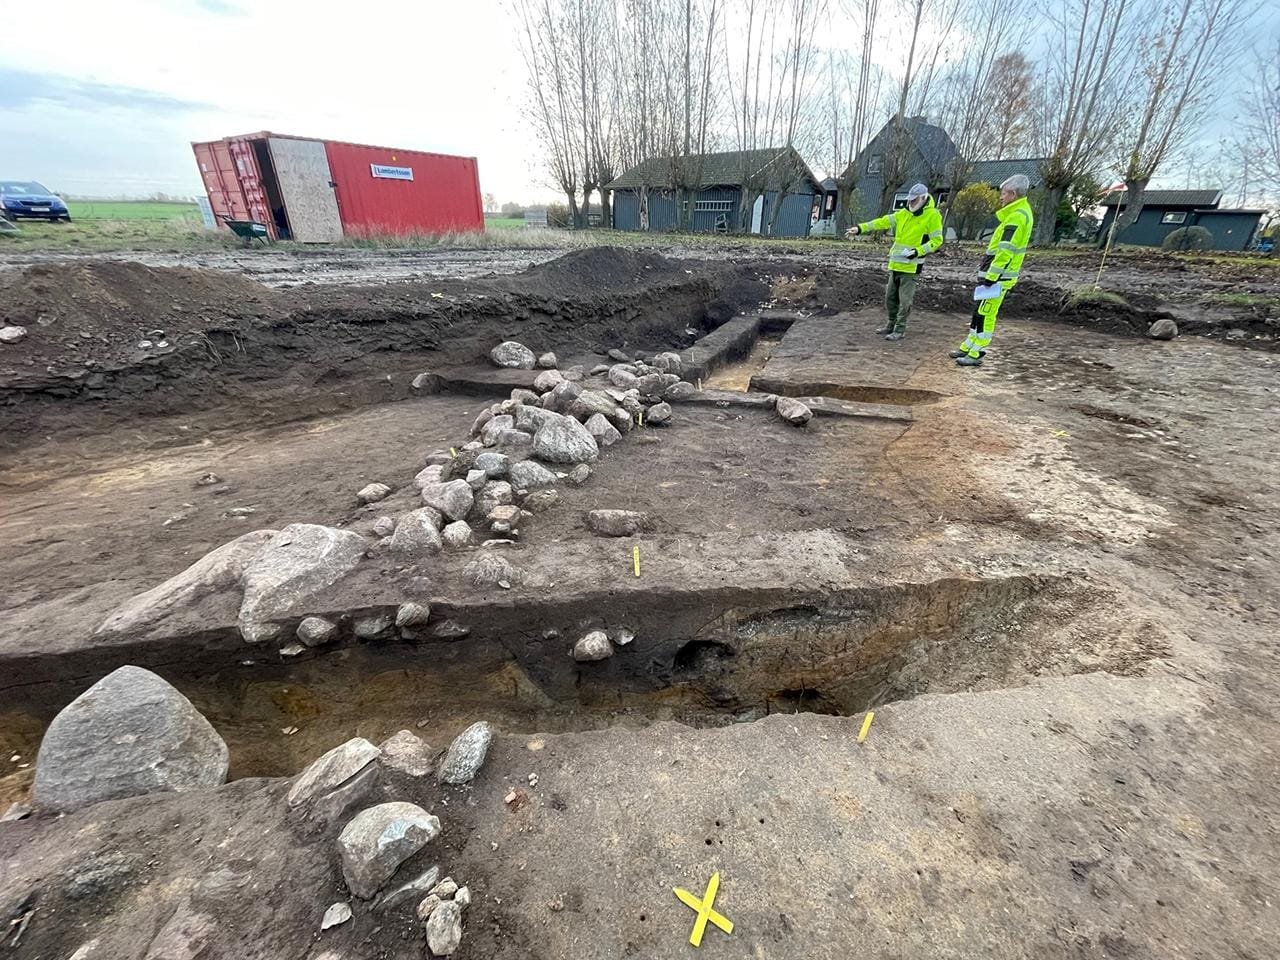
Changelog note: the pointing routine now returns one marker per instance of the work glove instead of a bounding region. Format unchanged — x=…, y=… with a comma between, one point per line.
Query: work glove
x=912, y=254
x=855, y=230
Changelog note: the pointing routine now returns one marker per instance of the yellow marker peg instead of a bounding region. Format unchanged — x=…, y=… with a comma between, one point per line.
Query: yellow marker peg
x=635, y=558
x=866, y=725
x=640, y=418
x=704, y=906
x=453, y=453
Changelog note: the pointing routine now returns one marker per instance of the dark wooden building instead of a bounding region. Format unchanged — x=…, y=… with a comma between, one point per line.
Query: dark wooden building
x=1164, y=211
x=929, y=149
x=768, y=191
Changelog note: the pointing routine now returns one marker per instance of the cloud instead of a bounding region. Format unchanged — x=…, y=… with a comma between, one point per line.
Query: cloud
x=221, y=8
x=20, y=89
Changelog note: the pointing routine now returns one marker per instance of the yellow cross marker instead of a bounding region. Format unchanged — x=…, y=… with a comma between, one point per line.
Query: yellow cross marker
x=635, y=558
x=1061, y=433
x=866, y=726
x=705, y=911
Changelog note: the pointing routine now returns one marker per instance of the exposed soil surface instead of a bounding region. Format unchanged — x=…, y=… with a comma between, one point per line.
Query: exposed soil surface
x=1053, y=578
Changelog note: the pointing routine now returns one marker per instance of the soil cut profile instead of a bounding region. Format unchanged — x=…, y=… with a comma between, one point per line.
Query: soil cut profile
x=932, y=662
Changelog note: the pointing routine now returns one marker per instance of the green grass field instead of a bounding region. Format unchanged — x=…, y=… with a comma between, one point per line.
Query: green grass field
x=503, y=223
x=131, y=210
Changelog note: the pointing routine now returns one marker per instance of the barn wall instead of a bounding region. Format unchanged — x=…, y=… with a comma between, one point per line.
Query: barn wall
x=1231, y=230
x=626, y=210
x=793, y=217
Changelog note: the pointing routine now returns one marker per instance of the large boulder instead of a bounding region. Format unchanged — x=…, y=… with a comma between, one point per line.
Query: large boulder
x=592, y=401
x=793, y=411
x=604, y=432
x=493, y=464
x=295, y=565
x=376, y=841
x=130, y=733
x=490, y=432
x=547, y=380
x=218, y=570
x=533, y=419
x=418, y=533
x=562, y=396
x=565, y=441
x=453, y=499
x=513, y=355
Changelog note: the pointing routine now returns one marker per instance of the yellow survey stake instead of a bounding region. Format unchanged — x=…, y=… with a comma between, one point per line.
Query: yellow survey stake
x=635, y=559
x=866, y=725
x=705, y=910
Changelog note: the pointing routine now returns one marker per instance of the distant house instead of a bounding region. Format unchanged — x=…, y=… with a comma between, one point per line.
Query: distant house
x=1164, y=211
x=776, y=186
x=932, y=157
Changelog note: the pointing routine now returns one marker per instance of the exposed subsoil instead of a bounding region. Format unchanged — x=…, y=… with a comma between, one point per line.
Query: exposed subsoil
x=1075, y=544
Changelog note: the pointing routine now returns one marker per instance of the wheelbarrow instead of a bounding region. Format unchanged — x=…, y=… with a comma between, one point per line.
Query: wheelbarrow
x=248, y=230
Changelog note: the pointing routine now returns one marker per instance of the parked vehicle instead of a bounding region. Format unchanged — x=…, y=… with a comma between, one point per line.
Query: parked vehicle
x=30, y=200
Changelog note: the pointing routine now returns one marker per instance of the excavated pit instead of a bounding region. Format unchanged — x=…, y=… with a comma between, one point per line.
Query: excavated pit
x=703, y=660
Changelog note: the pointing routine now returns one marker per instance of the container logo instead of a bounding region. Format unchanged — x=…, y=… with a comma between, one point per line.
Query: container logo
x=391, y=173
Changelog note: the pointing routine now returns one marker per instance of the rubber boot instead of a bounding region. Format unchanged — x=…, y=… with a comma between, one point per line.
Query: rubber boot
x=968, y=361
x=896, y=335
x=957, y=354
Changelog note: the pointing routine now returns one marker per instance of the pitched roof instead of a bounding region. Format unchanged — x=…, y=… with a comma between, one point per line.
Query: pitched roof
x=996, y=172
x=934, y=142
x=1170, y=198
x=728, y=169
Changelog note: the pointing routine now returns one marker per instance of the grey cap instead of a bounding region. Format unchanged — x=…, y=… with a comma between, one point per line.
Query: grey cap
x=918, y=190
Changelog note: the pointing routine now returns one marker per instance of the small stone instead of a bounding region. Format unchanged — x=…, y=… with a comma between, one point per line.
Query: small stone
x=16, y=811
x=562, y=397
x=463, y=897
x=529, y=475
x=207, y=480
x=592, y=401
x=522, y=396
x=541, y=500
x=13, y=334
x=513, y=355
x=384, y=526
x=602, y=430
x=495, y=494
x=444, y=929
x=483, y=417
x=674, y=363
x=593, y=646
x=376, y=841
x=488, y=570
x=425, y=383
x=412, y=614
x=356, y=793
x=658, y=415
x=336, y=914
x=622, y=635
x=428, y=906
x=456, y=535
x=622, y=376
x=473, y=445
x=429, y=475
x=618, y=355
x=477, y=479
x=412, y=890
x=514, y=441
x=491, y=430
x=466, y=754
x=373, y=493
x=793, y=411
x=446, y=888
x=449, y=629
x=619, y=523
x=1163, y=329
x=503, y=529
x=681, y=390
x=547, y=361
x=506, y=513
x=317, y=631
x=574, y=373
x=579, y=475
x=408, y=754
x=599, y=369
x=373, y=626
x=331, y=770
x=291, y=650
x=548, y=380
x=493, y=464
x=453, y=499
x=417, y=534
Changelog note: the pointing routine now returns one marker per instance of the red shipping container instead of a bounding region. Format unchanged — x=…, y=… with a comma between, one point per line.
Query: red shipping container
x=318, y=190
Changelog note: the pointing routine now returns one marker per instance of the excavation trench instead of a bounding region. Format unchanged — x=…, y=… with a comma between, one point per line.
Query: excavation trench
x=702, y=658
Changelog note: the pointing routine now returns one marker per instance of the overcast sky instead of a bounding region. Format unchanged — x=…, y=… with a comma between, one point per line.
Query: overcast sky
x=108, y=104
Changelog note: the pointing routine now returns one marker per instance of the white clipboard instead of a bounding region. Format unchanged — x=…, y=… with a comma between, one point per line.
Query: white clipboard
x=990, y=292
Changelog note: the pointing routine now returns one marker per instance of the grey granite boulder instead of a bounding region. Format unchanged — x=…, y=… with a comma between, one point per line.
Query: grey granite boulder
x=513, y=355
x=466, y=754
x=376, y=841
x=296, y=564
x=331, y=771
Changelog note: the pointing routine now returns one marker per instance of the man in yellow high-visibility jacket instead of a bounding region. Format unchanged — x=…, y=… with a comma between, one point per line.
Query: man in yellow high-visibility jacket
x=1000, y=269
x=917, y=232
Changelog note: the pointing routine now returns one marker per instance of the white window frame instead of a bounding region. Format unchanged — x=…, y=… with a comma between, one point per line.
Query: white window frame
x=1174, y=217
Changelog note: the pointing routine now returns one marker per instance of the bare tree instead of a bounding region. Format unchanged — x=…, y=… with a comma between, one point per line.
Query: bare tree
x=1080, y=106
x=1174, y=79
x=1008, y=96
x=863, y=96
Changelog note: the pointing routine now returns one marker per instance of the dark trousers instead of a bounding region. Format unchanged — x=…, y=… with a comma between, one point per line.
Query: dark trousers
x=899, y=294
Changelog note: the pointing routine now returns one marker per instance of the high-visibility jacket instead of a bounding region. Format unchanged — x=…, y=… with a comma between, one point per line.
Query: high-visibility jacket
x=1008, y=245
x=920, y=231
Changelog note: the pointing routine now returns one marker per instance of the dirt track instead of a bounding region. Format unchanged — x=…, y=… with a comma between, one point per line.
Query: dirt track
x=1091, y=513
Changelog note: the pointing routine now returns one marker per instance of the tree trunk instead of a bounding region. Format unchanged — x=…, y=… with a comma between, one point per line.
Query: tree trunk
x=573, y=208
x=1127, y=215
x=844, y=200
x=606, y=209
x=1047, y=216
x=775, y=209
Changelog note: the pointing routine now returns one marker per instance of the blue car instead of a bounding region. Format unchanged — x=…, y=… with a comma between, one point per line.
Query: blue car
x=30, y=200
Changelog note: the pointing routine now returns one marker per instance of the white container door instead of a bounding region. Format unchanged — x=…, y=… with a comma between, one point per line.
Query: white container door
x=302, y=171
